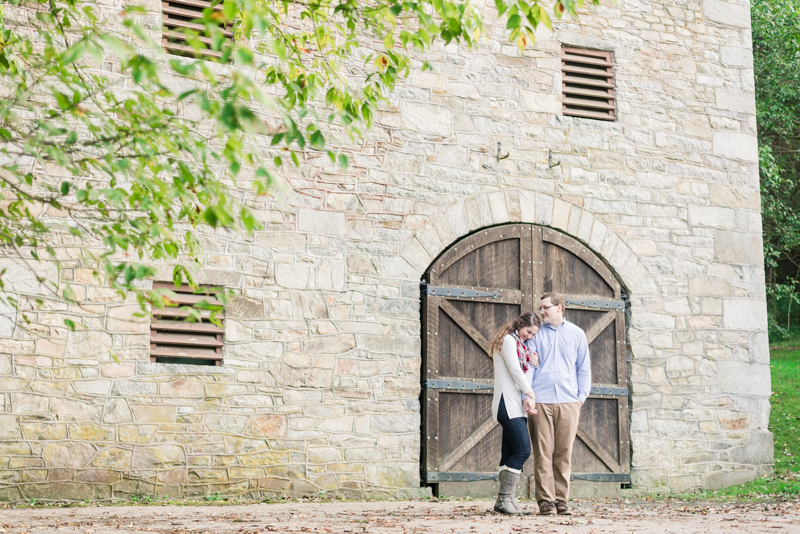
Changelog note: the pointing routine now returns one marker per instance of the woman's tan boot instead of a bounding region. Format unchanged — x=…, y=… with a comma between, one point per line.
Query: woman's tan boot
x=505, y=494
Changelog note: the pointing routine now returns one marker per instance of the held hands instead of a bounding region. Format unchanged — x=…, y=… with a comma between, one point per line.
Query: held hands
x=529, y=406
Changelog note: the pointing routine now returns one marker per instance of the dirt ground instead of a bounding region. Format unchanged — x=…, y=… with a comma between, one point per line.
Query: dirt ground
x=473, y=517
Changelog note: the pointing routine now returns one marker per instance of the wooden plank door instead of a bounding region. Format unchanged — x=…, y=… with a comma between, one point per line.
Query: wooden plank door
x=601, y=456
x=476, y=286
x=486, y=282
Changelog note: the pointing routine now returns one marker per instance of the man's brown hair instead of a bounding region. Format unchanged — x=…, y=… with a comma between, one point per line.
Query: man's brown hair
x=555, y=298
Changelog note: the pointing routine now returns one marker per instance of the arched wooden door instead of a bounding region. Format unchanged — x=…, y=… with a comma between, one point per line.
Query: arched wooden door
x=473, y=288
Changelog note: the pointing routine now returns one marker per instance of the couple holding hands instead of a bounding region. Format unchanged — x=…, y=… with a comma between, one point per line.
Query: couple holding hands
x=541, y=370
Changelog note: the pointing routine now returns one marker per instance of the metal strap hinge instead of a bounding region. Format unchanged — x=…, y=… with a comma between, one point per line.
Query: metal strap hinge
x=614, y=391
x=463, y=385
x=456, y=384
x=625, y=478
x=600, y=304
x=458, y=292
x=436, y=476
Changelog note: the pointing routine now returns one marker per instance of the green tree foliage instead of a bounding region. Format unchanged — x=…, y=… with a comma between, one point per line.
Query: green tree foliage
x=776, y=56
x=116, y=175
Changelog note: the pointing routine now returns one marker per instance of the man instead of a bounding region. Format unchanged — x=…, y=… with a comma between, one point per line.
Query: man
x=561, y=384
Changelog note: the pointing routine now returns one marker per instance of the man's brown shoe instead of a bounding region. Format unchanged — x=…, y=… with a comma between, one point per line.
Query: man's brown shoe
x=548, y=508
x=562, y=508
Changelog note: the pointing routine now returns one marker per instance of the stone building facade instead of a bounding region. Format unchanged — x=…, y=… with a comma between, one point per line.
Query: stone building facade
x=319, y=389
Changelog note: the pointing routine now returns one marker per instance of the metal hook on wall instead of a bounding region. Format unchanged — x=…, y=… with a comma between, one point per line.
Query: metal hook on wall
x=550, y=160
x=499, y=157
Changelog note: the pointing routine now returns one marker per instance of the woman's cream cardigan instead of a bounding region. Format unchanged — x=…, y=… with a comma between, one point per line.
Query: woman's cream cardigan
x=509, y=380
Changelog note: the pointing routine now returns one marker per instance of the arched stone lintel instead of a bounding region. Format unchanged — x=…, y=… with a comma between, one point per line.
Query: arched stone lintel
x=523, y=206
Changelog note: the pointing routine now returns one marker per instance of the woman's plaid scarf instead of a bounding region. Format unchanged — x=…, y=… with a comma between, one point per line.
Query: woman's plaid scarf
x=526, y=357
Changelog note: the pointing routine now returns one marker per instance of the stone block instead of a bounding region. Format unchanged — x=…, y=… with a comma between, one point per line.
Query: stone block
x=426, y=118
x=117, y=411
x=735, y=145
x=283, y=241
x=73, y=410
x=708, y=285
x=712, y=216
x=364, y=368
x=35, y=430
x=137, y=433
x=651, y=451
x=10, y=427
x=388, y=344
x=335, y=344
x=321, y=455
x=393, y=474
x=153, y=414
x=25, y=280
x=182, y=388
x=127, y=319
x=735, y=100
x=88, y=431
x=736, y=56
x=647, y=320
x=395, y=423
x=118, y=370
x=113, y=458
x=727, y=13
x=61, y=491
x=267, y=426
x=725, y=479
x=228, y=423
x=336, y=424
x=92, y=387
x=15, y=448
x=401, y=387
x=99, y=476
x=254, y=350
x=239, y=445
x=759, y=450
x=29, y=403
x=72, y=454
x=286, y=375
x=743, y=378
x=244, y=308
x=735, y=196
x=673, y=428
x=292, y=276
x=321, y=222
x=162, y=456
x=744, y=314
x=133, y=388
x=541, y=102
x=739, y=247
x=89, y=344
x=302, y=397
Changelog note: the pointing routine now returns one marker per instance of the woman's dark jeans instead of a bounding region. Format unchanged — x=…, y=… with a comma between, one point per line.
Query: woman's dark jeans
x=516, y=441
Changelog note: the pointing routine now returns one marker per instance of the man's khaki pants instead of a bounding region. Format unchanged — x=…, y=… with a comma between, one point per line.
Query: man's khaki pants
x=553, y=431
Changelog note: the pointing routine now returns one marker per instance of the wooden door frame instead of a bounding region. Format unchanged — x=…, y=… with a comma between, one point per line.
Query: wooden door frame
x=528, y=298
x=430, y=454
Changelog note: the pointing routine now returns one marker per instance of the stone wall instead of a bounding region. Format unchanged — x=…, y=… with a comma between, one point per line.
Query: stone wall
x=319, y=389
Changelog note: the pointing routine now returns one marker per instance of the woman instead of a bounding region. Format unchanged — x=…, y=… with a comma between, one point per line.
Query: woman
x=513, y=400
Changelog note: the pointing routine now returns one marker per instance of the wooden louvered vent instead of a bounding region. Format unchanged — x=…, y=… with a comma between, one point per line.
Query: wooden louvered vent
x=175, y=340
x=181, y=15
x=587, y=84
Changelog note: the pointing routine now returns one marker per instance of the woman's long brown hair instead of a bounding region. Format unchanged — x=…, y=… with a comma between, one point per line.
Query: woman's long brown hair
x=526, y=319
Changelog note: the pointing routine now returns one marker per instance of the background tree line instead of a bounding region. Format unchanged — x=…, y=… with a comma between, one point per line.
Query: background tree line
x=776, y=58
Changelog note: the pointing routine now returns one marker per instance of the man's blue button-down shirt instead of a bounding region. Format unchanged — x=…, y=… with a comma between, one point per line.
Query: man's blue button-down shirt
x=565, y=371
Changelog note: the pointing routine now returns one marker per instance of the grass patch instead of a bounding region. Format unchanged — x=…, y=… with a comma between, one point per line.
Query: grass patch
x=784, y=423
x=784, y=419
